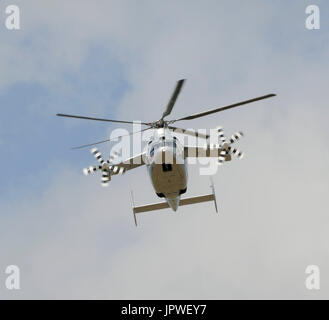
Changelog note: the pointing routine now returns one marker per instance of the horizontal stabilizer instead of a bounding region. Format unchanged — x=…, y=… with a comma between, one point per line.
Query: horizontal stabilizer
x=151, y=207
x=164, y=205
x=183, y=202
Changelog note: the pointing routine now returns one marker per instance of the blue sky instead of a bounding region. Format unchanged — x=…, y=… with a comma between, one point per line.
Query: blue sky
x=121, y=60
x=38, y=141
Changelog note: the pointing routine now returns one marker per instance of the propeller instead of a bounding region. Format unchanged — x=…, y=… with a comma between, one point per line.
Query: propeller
x=166, y=123
x=106, y=167
x=166, y=113
x=108, y=140
x=173, y=98
x=202, y=114
x=226, y=144
x=95, y=119
x=222, y=157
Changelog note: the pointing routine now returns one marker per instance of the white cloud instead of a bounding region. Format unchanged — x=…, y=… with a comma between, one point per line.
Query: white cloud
x=78, y=241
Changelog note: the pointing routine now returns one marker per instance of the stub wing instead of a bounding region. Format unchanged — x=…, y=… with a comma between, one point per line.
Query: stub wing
x=214, y=151
x=129, y=164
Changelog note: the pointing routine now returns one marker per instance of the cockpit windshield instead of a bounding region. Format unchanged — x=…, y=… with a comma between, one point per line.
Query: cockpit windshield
x=160, y=144
x=170, y=143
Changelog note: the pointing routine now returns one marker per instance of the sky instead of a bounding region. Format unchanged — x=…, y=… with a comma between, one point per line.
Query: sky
x=73, y=239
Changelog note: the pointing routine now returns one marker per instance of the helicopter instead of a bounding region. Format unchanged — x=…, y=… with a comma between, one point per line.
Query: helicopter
x=165, y=157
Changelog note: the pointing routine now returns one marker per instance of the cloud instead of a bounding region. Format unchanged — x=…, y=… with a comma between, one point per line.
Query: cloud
x=77, y=240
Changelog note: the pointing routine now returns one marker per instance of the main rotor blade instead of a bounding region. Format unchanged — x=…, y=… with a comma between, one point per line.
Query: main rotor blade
x=173, y=98
x=189, y=132
x=97, y=119
x=108, y=140
x=202, y=114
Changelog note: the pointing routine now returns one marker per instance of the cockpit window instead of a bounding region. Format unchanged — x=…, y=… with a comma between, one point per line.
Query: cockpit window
x=170, y=144
x=166, y=167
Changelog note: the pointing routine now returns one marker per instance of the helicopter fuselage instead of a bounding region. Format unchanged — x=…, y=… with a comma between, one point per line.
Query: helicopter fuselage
x=166, y=166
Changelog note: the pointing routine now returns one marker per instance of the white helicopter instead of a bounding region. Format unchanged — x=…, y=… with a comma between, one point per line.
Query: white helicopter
x=165, y=157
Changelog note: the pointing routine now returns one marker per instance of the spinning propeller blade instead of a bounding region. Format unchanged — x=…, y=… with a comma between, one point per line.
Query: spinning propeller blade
x=236, y=152
x=173, y=98
x=97, y=155
x=106, y=178
x=91, y=169
x=95, y=119
x=221, y=134
x=227, y=145
x=108, y=140
x=202, y=114
x=222, y=157
x=106, y=167
x=236, y=137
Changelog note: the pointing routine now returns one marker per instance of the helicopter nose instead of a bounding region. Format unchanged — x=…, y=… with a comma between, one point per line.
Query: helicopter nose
x=173, y=203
